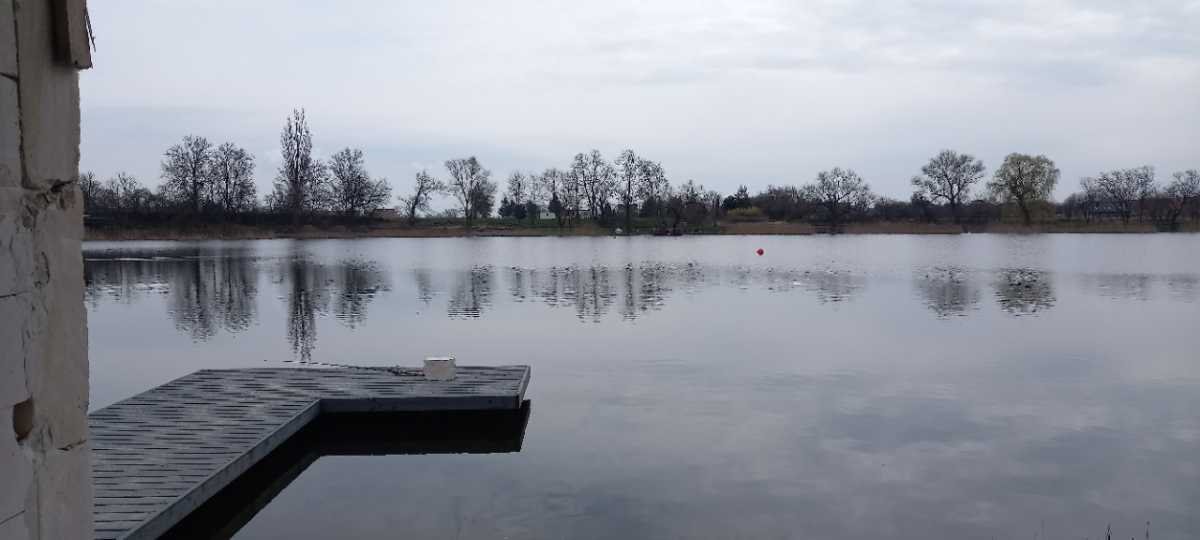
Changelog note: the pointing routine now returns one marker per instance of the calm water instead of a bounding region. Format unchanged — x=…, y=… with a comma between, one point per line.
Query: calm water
x=850, y=387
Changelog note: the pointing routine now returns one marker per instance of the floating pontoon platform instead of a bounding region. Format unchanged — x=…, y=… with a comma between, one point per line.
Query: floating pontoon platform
x=159, y=455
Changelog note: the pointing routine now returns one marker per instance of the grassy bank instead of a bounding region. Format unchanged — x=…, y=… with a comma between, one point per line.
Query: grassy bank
x=389, y=229
x=904, y=227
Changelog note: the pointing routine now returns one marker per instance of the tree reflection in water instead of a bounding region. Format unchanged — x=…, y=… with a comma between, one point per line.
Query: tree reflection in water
x=210, y=289
x=472, y=293
x=947, y=291
x=350, y=285
x=207, y=288
x=591, y=291
x=1119, y=286
x=213, y=288
x=833, y=285
x=358, y=283
x=307, y=295
x=1185, y=287
x=121, y=279
x=423, y=279
x=1024, y=291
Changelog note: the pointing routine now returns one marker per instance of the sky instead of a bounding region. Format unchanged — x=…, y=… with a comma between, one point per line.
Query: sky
x=725, y=93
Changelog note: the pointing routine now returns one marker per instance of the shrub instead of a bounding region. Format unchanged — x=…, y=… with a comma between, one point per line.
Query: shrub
x=740, y=215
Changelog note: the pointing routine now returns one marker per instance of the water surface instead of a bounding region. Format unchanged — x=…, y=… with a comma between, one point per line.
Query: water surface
x=902, y=387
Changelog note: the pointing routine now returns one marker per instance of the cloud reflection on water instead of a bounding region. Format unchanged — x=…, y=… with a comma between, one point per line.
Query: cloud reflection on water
x=965, y=392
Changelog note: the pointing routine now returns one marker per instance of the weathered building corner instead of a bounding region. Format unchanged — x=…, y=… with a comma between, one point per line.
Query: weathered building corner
x=45, y=464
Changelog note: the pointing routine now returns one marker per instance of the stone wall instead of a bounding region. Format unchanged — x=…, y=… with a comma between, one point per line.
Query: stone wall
x=45, y=474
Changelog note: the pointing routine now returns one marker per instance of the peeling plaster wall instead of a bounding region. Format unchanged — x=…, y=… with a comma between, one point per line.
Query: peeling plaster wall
x=45, y=471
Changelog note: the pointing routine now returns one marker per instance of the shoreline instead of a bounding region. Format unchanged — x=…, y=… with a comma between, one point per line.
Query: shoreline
x=392, y=230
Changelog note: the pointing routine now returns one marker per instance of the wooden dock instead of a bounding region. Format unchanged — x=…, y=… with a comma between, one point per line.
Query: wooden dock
x=159, y=455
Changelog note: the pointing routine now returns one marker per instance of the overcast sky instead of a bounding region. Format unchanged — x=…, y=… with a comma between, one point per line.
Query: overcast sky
x=721, y=92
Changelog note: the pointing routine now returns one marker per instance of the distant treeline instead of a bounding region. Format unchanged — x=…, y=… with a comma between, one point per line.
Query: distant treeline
x=206, y=183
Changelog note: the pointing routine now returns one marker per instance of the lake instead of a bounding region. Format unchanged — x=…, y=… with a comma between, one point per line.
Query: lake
x=906, y=387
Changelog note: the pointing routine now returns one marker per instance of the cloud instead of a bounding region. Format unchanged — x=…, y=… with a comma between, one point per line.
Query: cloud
x=722, y=92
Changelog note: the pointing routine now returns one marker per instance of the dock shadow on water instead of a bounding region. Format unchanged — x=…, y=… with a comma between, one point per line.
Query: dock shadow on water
x=352, y=434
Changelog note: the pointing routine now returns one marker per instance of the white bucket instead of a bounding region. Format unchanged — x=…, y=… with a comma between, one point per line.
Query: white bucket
x=439, y=368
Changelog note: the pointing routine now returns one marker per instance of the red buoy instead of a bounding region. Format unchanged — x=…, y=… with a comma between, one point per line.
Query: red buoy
x=759, y=252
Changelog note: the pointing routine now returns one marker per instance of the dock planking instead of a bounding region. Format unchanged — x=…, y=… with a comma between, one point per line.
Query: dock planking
x=161, y=454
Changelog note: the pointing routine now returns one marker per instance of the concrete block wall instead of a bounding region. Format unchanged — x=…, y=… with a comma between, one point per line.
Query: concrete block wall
x=45, y=474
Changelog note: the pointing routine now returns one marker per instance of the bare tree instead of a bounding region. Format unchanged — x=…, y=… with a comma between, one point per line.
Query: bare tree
x=1126, y=189
x=713, y=198
x=533, y=197
x=948, y=177
x=572, y=197
x=467, y=178
x=483, y=199
x=423, y=189
x=579, y=183
x=1191, y=183
x=552, y=185
x=232, y=180
x=519, y=198
x=629, y=176
x=1186, y=185
x=1091, y=198
x=300, y=185
x=922, y=204
x=90, y=187
x=518, y=187
x=121, y=193
x=653, y=189
x=1025, y=180
x=353, y=192
x=688, y=203
x=839, y=191
x=1181, y=194
x=185, y=172
x=781, y=202
x=690, y=191
x=1077, y=204
x=127, y=193
x=596, y=180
